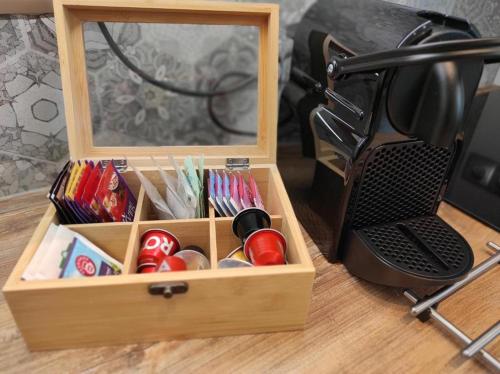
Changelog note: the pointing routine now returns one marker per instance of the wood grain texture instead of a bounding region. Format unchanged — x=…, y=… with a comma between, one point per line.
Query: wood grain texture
x=353, y=326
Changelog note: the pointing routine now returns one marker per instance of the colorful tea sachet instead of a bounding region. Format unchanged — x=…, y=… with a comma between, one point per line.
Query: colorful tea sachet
x=85, y=192
x=229, y=192
x=83, y=259
x=114, y=195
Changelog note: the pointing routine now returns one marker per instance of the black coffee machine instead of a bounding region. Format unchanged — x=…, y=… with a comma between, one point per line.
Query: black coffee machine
x=388, y=89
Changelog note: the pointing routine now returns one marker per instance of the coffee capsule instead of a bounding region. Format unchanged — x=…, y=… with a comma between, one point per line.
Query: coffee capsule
x=249, y=220
x=194, y=260
x=194, y=248
x=226, y=263
x=148, y=267
x=237, y=254
x=156, y=244
x=266, y=247
x=172, y=263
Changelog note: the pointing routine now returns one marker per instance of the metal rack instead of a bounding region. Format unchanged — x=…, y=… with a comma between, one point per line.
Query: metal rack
x=426, y=309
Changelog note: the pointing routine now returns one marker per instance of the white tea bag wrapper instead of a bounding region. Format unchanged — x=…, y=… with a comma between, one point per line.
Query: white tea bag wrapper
x=201, y=176
x=201, y=170
x=194, y=182
x=43, y=248
x=184, y=190
x=159, y=205
x=173, y=199
x=49, y=266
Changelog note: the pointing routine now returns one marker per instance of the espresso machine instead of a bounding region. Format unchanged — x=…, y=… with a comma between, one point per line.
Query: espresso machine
x=388, y=89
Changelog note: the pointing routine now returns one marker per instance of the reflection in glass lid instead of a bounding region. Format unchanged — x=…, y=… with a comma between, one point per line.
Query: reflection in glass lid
x=164, y=84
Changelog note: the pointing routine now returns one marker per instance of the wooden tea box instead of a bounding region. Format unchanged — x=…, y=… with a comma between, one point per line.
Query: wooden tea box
x=64, y=313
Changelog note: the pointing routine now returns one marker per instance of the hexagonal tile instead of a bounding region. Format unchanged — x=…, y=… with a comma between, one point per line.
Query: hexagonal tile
x=44, y=110
x=40, y=109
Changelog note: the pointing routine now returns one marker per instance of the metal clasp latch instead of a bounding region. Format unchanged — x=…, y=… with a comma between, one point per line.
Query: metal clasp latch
x=237, y=163
x=168, y=289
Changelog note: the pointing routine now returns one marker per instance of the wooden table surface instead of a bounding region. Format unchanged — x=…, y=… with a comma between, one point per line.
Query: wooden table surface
x=353, y=326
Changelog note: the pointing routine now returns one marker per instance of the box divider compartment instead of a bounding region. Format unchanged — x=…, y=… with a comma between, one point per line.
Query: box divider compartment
x=129, y=264
x=213, y=241
x=140, y=210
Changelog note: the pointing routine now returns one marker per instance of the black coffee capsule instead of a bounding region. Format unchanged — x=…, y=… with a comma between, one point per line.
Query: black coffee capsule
x=194, y=248
x=249, y=220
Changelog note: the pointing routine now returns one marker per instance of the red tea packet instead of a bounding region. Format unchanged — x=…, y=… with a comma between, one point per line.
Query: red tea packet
x=244, y=193
x=88, y=197
x=114, y=195
x=80, y=188
x=257, y=199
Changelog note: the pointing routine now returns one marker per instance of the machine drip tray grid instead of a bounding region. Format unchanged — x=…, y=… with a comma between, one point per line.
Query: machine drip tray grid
x=422, y=251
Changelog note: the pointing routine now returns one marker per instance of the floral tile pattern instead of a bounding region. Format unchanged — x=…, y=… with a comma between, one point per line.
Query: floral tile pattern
x=32, y=127
x=125, y=110
x=18, y=174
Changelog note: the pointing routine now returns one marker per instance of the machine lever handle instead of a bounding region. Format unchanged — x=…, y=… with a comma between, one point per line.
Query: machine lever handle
x=341, y=100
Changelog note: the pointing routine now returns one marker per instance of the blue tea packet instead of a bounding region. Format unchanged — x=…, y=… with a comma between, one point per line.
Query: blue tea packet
x=84, y=261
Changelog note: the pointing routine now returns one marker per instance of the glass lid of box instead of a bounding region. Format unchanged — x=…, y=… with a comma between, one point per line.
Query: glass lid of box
x=153, y=84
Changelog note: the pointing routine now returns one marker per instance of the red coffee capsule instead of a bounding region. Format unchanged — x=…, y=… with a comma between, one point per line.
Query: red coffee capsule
x=157, y=244
x=147, y=268
x=172, y=263
x=266, y=247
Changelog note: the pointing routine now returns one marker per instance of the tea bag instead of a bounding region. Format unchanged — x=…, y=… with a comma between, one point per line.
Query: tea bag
x=254, y=189
x=226, y=195
x=235, y=194
x=159, y=205
x=244, y=193
x=201, y=176
x=184, y=190
x=194, y=182
x=219, y=193
x=212, y=196
x=173, y=199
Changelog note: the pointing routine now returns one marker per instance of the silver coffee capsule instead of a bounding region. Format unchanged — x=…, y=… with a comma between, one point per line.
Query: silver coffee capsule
x=233, y=263
x=194, y=260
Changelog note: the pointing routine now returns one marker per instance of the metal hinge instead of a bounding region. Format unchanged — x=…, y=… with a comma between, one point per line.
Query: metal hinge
x=237, y=163
x=120, y=164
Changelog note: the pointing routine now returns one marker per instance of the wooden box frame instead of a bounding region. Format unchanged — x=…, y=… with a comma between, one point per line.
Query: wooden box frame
x=66, y=313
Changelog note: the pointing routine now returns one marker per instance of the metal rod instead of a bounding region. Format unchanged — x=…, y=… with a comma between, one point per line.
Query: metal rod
x=440, y=295
x=455, y=331
x=482, y=341
x=493, y=245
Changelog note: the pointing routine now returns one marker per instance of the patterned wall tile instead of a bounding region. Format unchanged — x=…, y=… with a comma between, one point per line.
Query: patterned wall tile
x=19, y=174
x=32, y=128
x=11, y=41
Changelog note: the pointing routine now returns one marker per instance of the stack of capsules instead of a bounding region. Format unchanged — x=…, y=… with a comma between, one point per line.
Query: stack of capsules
x=161, y=252
x=261, y=244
